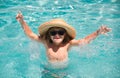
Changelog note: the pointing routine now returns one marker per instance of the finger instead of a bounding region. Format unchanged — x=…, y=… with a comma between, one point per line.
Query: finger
x=102, y=32
x=19, y=12
x=102, y=27
x=109, y=28
x=18, y=15
x=105, y=34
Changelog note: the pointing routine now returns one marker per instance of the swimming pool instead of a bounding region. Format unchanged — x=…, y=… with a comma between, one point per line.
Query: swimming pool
x=21, y=57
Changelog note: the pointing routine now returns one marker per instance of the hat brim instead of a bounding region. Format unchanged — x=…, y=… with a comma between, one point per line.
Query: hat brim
x=57, y=23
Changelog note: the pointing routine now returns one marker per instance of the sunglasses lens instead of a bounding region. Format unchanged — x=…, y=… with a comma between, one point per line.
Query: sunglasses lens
x=53, y=33
x=61, y=32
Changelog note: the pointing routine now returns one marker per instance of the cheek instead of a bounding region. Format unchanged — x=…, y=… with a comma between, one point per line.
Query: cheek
x=51, y=37
x=62, y=37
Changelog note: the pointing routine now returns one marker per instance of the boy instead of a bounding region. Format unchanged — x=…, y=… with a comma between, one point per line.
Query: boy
x=58, y=37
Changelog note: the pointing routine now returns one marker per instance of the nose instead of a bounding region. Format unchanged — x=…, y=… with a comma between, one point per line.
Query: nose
x=57, y=35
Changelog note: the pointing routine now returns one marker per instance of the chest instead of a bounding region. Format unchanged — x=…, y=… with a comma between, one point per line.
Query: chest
x=58, y=54
x=57, y=51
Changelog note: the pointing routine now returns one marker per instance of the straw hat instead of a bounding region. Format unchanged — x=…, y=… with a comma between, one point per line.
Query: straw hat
x=57, y=23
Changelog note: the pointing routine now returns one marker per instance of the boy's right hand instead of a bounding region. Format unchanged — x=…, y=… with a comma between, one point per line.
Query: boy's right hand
x=19, y=17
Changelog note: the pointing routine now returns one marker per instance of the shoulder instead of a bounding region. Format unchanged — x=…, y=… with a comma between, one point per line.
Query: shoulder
x=73, y=41
x=76, y=42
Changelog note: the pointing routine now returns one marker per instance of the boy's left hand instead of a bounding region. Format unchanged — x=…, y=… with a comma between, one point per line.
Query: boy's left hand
x=104, y=30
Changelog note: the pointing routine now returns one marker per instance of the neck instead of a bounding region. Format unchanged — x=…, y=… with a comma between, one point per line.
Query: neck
x=57, y=45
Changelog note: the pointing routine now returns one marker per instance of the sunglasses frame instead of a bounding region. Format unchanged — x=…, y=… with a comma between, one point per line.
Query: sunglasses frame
x=59, y=32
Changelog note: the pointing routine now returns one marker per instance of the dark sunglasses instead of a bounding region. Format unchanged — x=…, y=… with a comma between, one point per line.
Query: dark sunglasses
x=59, y=32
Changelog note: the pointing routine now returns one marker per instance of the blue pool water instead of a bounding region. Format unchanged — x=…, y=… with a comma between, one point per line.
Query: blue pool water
x=21, y=57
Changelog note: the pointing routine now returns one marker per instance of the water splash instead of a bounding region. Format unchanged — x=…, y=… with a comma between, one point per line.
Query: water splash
x=34, y=50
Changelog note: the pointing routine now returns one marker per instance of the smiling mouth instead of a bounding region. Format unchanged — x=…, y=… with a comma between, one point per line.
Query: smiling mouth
x=57, y=38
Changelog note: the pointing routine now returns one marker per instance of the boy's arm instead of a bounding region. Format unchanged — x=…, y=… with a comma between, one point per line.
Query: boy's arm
x=89, y=38
x=26, y=28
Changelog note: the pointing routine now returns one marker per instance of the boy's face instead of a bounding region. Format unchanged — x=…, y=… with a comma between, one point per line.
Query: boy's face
x=57, y=35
